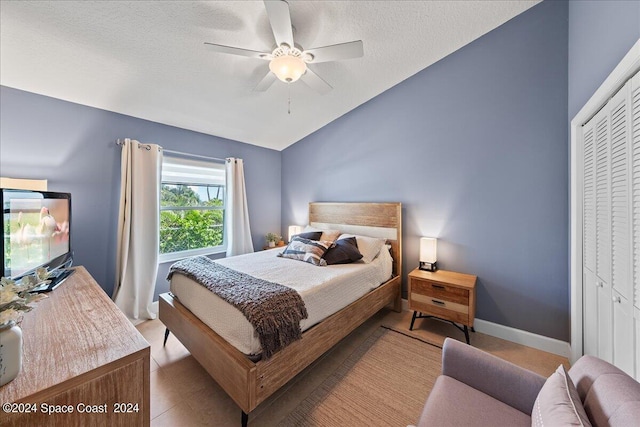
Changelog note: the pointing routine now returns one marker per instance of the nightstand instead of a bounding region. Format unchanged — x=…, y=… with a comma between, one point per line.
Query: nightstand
x=444, y=295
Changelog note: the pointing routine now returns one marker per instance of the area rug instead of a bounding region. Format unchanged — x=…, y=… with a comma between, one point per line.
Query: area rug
x=384, y=382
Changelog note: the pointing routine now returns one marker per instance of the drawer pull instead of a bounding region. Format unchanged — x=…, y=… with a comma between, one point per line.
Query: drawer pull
x=435, y=301
x=438, y=286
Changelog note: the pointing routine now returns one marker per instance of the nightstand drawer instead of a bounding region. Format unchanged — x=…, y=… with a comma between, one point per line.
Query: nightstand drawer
x=440, y=308
x=440, y=291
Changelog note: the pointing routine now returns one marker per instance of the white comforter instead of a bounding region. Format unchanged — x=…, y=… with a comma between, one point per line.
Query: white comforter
x=324, y=290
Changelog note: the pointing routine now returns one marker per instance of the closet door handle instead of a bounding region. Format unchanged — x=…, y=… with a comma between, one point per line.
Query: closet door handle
x=599, y=285
x=616, y=299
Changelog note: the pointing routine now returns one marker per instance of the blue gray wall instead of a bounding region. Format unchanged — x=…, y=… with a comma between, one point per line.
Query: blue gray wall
x=475, y=147
x=73, y=146
x=600, y=35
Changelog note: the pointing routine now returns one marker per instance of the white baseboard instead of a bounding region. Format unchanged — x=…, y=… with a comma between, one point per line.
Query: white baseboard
x=518, y=336
x=551, y=345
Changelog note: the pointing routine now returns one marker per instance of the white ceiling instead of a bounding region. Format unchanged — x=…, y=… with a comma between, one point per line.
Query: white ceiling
x=147, y=59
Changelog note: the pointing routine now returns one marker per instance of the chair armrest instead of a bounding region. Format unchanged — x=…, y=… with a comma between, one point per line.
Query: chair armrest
x=502, y=380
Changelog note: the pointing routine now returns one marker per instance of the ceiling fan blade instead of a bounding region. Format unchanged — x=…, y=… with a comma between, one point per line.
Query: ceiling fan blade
x=238, y=51
x=265, y=83
x=336, y=52
x=280, y=19
x=316, y=82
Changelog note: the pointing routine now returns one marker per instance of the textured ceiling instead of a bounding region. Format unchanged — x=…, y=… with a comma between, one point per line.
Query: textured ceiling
x=147, y=59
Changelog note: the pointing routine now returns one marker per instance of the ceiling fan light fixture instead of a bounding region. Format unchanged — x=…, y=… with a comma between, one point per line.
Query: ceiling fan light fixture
x=287, y=63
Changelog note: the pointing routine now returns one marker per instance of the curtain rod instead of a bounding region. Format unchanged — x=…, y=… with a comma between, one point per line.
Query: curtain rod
x=180, y=153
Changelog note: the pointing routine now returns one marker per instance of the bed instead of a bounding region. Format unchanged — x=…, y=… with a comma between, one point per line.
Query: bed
x=250, y=382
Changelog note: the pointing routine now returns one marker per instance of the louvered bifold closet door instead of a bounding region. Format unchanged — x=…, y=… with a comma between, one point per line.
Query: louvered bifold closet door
x=589, y=198
x=635, y=185
x=603, y=224
x=622, y=289
x=620, y=227
x=611, y=227
x=603, y=234
x=590, y=284
x=635, y=211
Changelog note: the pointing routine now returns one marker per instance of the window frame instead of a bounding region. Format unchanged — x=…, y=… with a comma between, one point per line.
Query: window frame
x=211, y=250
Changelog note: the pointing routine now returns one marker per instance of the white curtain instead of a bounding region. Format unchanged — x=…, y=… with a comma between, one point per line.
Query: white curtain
x=138, y=229
x=237, y=213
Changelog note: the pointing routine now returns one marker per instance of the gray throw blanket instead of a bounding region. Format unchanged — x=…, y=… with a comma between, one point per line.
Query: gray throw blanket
x=272, y=309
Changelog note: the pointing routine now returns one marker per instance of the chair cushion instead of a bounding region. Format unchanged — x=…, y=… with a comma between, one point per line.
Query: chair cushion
x=453, y=403
x=558, y=403
x=610, y=396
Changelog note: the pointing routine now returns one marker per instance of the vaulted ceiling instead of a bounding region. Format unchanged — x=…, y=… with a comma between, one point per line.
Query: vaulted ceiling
x=147, y=59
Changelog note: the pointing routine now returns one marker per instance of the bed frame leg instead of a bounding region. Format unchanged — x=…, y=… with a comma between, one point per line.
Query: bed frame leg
x=166, y=336
x=245, y=419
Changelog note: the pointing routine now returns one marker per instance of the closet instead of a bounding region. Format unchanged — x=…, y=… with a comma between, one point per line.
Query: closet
x=611, y=230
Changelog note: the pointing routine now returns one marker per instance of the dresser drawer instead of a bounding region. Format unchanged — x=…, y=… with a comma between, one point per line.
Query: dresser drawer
x=440, y=291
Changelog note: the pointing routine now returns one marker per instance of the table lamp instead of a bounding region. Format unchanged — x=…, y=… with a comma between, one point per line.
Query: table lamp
x=428, y=253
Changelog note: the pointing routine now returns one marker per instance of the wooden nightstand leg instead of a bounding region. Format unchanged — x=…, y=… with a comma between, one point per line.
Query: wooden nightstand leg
x=413, y=319
x=466, y=333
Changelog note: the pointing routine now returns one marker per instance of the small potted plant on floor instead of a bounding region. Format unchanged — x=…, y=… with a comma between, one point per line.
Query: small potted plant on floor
x=272, y=239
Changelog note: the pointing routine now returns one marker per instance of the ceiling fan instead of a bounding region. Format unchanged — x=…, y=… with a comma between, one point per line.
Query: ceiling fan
x=288, y=61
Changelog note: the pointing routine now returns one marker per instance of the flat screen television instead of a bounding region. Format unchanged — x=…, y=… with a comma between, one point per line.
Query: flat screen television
x=36, y=233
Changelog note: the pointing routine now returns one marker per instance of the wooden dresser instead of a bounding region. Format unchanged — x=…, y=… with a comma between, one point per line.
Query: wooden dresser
x=444, y=295
x=82, y=357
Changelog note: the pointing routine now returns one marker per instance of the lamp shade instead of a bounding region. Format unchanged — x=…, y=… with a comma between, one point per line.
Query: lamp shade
x=288, y=68
x=428, y=250
x=293, y=230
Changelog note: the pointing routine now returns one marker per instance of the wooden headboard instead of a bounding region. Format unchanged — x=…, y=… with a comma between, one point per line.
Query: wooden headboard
x=382, y=220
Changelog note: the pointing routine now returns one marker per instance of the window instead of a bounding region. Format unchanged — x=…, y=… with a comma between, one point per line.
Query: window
x=192, y=199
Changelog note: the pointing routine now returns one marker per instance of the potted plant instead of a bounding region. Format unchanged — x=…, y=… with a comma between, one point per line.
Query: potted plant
x=272, y=239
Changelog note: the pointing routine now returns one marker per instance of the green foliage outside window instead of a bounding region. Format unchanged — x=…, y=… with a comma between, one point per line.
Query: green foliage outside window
x=184, y=229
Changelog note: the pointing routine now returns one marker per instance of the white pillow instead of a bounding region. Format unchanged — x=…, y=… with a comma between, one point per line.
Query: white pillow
x=558, y=403
x=331, y=235
x=369, y=247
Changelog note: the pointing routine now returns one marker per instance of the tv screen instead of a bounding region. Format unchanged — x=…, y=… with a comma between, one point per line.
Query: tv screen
x=36, y=227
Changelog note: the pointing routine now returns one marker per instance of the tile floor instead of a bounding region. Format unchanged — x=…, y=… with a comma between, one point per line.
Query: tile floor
x=183, y=394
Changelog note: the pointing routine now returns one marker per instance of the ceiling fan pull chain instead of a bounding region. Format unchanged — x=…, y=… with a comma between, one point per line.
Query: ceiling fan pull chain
x=289, y=103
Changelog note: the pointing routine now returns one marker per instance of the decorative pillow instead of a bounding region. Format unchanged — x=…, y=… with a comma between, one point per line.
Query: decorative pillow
x=306, y=250
x=331, y=235
x=369, y=247
x=558, y=403
x=344, y=251
x=311, y=235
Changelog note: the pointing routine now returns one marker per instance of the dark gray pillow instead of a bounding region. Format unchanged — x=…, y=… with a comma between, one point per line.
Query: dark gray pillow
x=311, y=235
x=344, y=251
